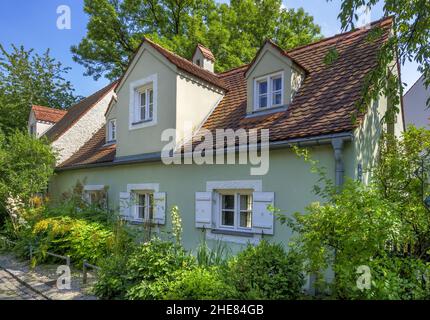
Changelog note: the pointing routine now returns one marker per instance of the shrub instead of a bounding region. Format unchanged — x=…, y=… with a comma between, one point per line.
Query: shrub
x=199, y=284
x=217, y=256
x=266, y=271
x=79, y=239
x=133, y=276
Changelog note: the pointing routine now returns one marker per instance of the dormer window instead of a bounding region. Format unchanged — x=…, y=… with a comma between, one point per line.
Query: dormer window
x=112, y=130
x=269, y=91
x=143, y=103
x=146, y=104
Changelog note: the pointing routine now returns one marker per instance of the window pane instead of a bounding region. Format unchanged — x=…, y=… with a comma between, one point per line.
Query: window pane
x=143, y=99
x=228, y=218
x=228, y=202
x=262, y=101
x=151, y=96
x=141, y=206
x=142, y=113
x=245, y=219
x=276, y=84
x=245, y=202
x=262, y=87
x=277, y=98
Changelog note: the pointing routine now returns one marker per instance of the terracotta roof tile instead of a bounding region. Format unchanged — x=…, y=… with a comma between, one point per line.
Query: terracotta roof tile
x=48, y=114
x=76, y=111
x=94, y=151
x=207, y=53
x=189, y=67
x=324, y=104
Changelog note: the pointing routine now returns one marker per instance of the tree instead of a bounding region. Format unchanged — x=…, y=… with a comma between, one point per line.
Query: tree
x=26, y=164
x=27, y=78
x=233, y=32
x=410, y=41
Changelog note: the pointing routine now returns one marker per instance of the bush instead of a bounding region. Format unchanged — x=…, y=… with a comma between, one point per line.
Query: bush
x=266, y=271
x=79, y=239
x=133, y=276
x=199, y=284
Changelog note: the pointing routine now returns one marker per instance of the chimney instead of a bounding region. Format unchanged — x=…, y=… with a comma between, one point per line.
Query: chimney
x=204, y=58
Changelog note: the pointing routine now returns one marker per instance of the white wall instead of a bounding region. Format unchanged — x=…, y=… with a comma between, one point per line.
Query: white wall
x=416, y=111
x=83, y=130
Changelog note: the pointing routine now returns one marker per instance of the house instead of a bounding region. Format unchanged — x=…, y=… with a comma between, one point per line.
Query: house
x=41, y=119
x=296, y=96
x=415, y=103
x=78, y=125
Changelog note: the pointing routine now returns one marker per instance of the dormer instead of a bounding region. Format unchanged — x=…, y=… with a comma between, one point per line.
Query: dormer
x=204, y=58
x=272, y=80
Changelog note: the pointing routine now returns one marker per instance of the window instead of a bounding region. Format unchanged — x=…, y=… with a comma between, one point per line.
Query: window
x=198, y=62
x=33, y=129
x=112, y=130
x=145, y=105
x=269, y=91
x=95, y=198
x=236, y=211
x=143, y=208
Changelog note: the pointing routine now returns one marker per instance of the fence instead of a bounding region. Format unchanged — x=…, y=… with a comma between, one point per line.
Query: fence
x=85, y=264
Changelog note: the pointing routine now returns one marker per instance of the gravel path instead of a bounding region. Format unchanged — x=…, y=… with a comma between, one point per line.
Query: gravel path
x=12, y=289
x=42, y=278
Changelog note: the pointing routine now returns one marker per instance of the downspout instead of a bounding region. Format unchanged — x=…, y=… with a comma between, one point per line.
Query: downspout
x=339, y=167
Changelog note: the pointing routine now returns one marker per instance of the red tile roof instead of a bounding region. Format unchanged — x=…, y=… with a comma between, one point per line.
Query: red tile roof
x=48, y=114
x=94, y=151
x=188, y=66
x=324, y=104
x=207, y=53
x=76, y=111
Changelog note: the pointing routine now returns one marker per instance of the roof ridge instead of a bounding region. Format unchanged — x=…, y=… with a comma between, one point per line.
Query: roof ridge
x=48, y=108
x=232, y=70
x=342, y=34
x=178, y=56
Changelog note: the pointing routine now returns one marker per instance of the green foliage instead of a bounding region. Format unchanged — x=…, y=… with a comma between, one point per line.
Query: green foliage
x=27, y=78
x=133, y=275
x=234, y=32
x=79, y=239
x=384, y=226
x=26, y=164
x=199, y=284
x=266, y=271
x=217, y=256
x=408, y=43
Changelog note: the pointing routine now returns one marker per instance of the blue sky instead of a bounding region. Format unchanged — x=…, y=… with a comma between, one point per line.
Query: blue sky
x=32, y=23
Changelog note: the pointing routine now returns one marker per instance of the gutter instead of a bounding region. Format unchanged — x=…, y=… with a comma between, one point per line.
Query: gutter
x=156, y=156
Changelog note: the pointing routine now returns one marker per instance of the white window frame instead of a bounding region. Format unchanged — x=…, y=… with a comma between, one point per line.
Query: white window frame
x=88, y=189
x=136, y=88
x=112, y=133
x=147, y=207
x=268, y=78
x=141, y=188
x=237, y=210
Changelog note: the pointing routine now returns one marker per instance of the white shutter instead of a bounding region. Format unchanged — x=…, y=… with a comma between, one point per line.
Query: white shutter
x=262, y=218
x=125, y=204
x=160, y=207
x=204, y=210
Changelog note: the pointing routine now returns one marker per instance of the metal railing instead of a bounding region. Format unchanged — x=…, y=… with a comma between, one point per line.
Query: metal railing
x=85, y=266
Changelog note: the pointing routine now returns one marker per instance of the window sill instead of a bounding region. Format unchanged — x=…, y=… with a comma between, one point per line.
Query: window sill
x=142, y=121
x=109, y=143
x=248, y=234
x=260, y=112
